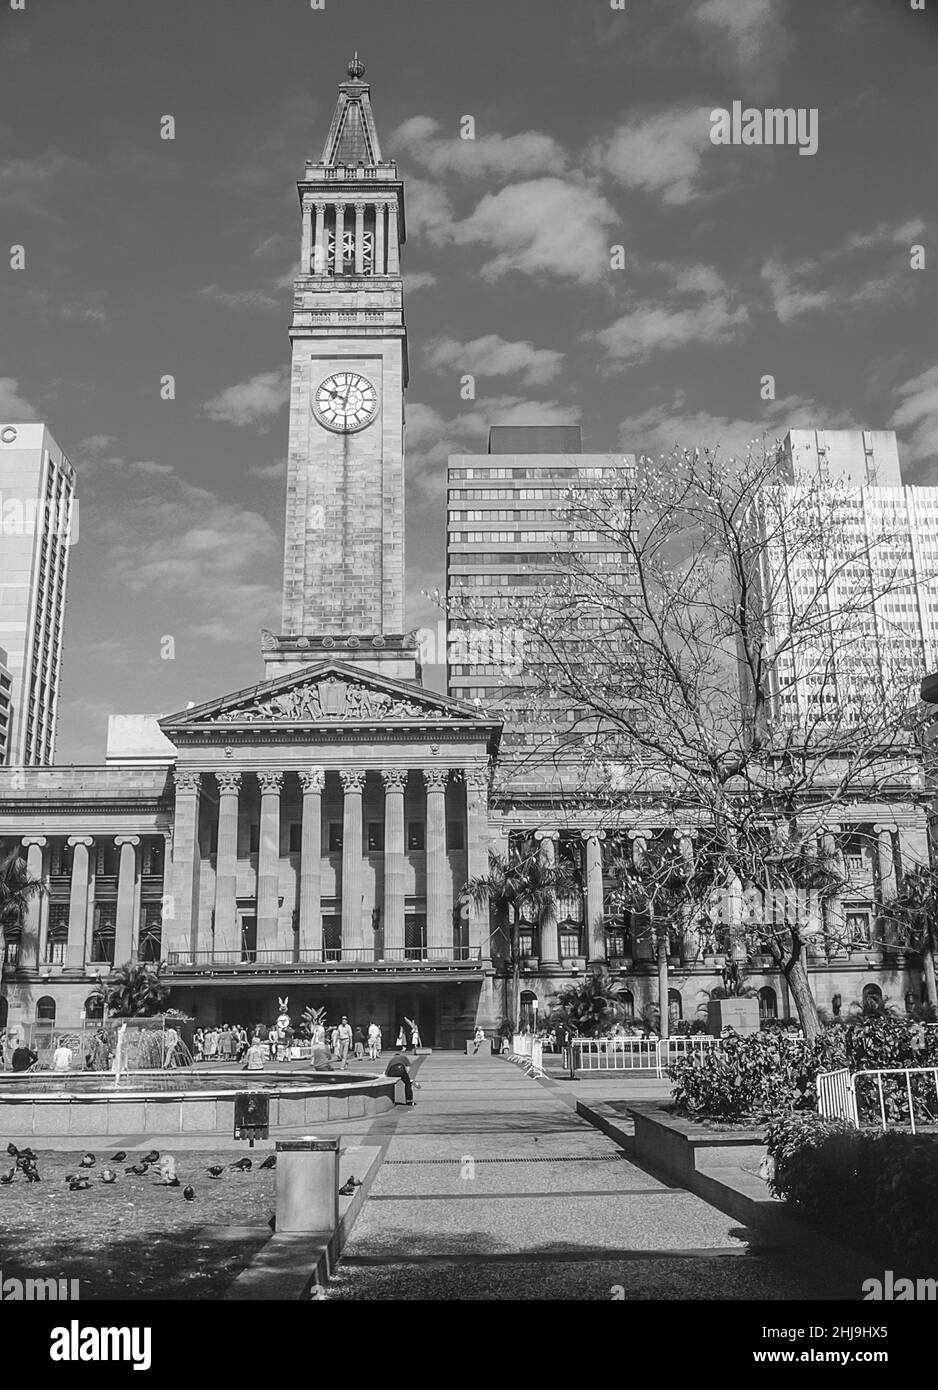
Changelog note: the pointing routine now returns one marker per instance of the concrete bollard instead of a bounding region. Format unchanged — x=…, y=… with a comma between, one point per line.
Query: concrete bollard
x=307, y=1186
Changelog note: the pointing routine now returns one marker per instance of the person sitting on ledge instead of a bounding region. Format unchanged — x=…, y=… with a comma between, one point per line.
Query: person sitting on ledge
x=256, y=1057
x=399, y=1067
x=321, y=1057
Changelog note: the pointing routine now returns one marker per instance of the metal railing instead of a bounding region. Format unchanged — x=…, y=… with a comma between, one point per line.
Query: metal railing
x=838, y=1098
x=248, y=958
x=637, y=1054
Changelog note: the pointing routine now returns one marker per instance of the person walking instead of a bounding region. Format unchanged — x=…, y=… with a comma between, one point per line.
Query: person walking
x=344, y=1040
x=415, y=1036
x=399, y=1068
x=401, y=1039
x=359, y=1040
x=374, y=1040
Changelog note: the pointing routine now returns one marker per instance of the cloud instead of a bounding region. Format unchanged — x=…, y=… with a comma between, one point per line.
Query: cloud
x=276, y=470
x=659, y=154
x=13, y=406
x=241, y=299
x=918, y=414
x=665, y=323
x=753, y=28
x=540, y=227
x=493, y=355
x=96, y=443
x=42, y=185
x=528, y=152
x=662, y=427
x=418, y=280
x=260, y=398
x=431, y=438
x=845, y=276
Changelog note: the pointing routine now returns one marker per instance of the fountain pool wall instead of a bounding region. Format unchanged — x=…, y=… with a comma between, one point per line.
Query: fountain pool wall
x=205, y=1106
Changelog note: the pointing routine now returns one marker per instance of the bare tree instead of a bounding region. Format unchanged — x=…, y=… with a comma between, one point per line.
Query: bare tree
x=717, y=647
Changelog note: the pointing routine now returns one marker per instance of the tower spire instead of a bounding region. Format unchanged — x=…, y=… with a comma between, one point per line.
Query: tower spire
x=352, y=138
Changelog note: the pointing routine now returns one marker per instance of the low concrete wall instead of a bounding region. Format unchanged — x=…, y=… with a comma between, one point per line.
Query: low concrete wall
x=122, y=1113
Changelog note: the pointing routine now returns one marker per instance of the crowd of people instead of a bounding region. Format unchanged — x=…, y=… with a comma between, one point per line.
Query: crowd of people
x=232, y=1042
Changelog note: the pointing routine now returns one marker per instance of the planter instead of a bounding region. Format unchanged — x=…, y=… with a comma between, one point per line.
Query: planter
x=742, y=1015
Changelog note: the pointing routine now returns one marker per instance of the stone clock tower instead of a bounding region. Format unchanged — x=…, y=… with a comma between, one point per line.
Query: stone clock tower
x=343, y=573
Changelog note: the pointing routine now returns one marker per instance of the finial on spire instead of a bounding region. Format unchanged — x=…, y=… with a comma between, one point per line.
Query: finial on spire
x=356, y=68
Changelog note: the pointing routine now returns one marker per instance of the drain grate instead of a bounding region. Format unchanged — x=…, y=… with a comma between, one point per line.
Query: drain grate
x=554, y=1158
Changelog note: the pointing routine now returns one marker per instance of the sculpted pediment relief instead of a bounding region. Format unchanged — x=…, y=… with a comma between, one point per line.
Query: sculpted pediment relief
x=326, y=701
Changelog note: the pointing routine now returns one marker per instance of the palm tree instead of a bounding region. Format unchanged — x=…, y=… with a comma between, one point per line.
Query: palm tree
x=17, y=891
x=135, y=990
x=519, y=887
x=914, y=911
x=312, y=1018
x=592, y=1005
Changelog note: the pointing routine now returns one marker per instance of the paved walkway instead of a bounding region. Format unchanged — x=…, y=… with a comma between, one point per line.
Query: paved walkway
x=492, y=1187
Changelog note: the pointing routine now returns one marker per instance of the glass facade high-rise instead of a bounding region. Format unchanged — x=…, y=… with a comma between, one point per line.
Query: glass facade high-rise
x=37, y=526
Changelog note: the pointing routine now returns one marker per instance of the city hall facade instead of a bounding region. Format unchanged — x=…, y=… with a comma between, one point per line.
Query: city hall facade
x=310, y=836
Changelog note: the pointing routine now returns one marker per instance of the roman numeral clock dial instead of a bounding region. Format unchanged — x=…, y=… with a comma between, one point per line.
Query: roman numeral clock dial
x=345, y=401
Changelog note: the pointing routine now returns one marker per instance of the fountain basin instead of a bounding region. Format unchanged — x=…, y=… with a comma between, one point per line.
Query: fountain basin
x=45, y=1104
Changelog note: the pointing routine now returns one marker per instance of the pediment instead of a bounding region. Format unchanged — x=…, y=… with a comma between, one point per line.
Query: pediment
x=327, y=694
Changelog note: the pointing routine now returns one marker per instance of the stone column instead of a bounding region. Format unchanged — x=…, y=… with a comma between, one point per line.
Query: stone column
x=595, y=921
x=359, y=238
x=690, y=943
x=312, y=781
x=380, y=209
x=439, y=912
x=31, y=940
x=78, y=902
x=913, y=846
x=887, y=861
x=319, y=240
x=306, y=239
x=394, y=783
x=226, y=866
x=477, y=860
x=643, y=947
x=549, y=944
x=394, y=250
x=339, y=237
x=353, y=939
x=124, y=938
x=268, y=861
x=833, y=908
x=184, y=900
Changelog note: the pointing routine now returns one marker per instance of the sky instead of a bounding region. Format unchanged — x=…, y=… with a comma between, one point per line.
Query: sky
x=591, y=255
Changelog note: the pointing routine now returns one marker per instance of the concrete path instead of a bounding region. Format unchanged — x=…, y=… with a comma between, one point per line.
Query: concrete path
x=492, y=1187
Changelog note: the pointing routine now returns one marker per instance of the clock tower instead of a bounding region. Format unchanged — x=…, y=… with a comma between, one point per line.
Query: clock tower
x=343, y=572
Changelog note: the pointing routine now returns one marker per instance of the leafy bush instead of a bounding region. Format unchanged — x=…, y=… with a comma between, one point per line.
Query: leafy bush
x=774, y=1073
x=884, y=1186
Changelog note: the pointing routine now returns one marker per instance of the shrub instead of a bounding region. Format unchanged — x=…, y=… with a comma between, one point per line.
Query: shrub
x=883, y=1185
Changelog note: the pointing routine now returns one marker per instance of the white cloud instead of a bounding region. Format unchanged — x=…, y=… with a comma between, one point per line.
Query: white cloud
x=260, y=398
x=659, y=154
x=276, y=470
x=528, y=152
x=418, y=280
x=750, y=26
x=918, y=414
x=661, y=428
x=241, y=299
x=658, y=326
x=13, y=406
x=847, y=275
x=493, y=355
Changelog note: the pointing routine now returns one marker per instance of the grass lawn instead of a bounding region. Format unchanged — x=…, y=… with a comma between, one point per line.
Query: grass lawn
x=134, y=1239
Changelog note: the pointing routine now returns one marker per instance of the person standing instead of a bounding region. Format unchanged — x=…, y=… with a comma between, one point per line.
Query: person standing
x=344, y=1039
x=401, y=1039
x=478, y=1040
x=415, y=1036
x=374, y=1040
x=359, y=1039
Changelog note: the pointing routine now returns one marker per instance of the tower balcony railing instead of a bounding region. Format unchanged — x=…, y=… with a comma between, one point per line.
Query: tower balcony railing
x=326, y=958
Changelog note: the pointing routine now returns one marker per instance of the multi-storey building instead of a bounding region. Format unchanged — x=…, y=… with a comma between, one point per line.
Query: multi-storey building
x=37, y=525
x=6, y=705
x=311, y=835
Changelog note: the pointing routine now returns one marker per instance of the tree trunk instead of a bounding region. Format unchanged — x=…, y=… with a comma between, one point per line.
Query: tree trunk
x=664, y=1013
x=796, y=974
x=928, y=964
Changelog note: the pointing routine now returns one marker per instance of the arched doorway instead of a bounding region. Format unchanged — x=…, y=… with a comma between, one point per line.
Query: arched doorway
x=675, y=1006
x=527, y=1011
x=627, y=1000
x=45, y=1010
x=768, y=1004
x=94, y=1008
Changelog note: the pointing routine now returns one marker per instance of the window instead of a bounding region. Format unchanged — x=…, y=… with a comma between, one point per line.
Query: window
x=416, y=837
x=94, y=1007
x=768, y=1003
x=415, y=936
x=335, y=836
x=569, y=942
x=45, y=1009
x=858, y=926
x=675, y=1006
x=618, y=943
x=296, y=837
x=254, y=838
x=57, y=934
x=332, y=935
x=103, y=932
x=526, y=943
x=376, y=837
x=455, y=835
x=149, y=947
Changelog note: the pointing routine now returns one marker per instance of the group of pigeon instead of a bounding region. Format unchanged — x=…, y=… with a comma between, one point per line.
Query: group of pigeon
x=161, y=1166
x=25, y=1162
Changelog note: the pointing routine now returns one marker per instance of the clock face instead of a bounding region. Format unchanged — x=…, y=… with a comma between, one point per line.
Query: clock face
x=345, y=401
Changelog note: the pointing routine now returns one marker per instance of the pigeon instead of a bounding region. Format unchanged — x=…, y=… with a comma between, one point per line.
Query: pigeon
x=23, y=1162
x=347, y=1189
x=27, y=1153
x=270, y=1162
x=215, y=1171
x=32, y=1173
x=243, y=1165
x=139, y=1168
x=79, y=1184
x=108, y=1175
x=87, y=1161
x=152, y=1157
x=119, y=1156
x=189, y=1194
x=12, y=1150
x=9, y=1177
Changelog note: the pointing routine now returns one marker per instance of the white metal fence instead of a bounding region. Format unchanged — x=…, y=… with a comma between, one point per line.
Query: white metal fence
x=837, y=1095
x=636, y=1054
